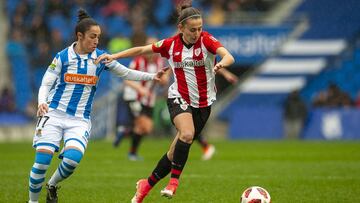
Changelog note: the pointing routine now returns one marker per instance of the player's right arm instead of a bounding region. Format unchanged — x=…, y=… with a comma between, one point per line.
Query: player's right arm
x=50, y=76
x=135, y=51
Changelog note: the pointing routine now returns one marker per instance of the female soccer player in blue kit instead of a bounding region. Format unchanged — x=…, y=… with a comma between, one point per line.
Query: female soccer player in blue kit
x=64, y=111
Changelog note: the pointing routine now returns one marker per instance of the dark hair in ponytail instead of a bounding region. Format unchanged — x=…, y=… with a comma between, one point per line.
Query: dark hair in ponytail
x=186, y=11
x=84, y=22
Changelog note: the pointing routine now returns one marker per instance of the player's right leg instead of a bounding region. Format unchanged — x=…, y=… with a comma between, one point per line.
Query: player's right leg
x=144, y=186
x=46, y=141
x=43, y=158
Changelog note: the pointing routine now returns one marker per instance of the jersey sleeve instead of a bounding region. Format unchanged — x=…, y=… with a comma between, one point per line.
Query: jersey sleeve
x=211, y=43
x=162, y=47
x=55, y=66
x=130, y=74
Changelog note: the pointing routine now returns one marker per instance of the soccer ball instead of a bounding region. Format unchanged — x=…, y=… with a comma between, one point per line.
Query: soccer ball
x=255, y=194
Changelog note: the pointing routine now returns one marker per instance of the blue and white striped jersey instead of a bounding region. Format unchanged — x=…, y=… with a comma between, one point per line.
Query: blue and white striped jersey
x=77, y=78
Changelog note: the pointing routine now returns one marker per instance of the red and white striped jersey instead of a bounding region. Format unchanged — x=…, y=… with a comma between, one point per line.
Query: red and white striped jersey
x=140, y=63
x=194, y=79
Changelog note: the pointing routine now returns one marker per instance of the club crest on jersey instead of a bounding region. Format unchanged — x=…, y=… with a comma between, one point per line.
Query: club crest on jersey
x=159, y=43
x=184, y=106
x=197, y=51
x=38, y=133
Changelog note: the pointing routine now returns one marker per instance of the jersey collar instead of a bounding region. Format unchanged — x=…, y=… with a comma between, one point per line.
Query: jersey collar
x=74, y=55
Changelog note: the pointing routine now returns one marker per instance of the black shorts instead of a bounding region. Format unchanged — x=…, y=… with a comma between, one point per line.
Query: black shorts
x=129, y=110
x=177, y=106
x=135, y=109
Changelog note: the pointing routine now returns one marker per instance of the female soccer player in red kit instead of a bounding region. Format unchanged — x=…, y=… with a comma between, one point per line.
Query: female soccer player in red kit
x=191, y=55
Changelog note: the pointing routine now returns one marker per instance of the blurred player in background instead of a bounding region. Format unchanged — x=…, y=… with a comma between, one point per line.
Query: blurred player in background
x=191, y=55
x=140, y=100
x=209, y=149
x=64, y=111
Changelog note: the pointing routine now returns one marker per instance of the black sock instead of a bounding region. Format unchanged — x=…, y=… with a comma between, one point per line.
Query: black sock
x=181, y=153
x=135, y=142
x=161, y=170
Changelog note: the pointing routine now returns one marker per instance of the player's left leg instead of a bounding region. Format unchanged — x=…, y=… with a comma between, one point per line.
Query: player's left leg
x=179, y=151
x=198, y=117
x=76, y=135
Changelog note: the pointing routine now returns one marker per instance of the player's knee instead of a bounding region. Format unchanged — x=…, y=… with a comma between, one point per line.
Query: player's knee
x=186, y=135
x=170, y=155
x=73, y=156
x=43, y=159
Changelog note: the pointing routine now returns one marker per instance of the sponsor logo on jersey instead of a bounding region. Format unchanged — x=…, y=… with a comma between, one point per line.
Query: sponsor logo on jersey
x=80, y=79
x=189, y=63
x=159, y=43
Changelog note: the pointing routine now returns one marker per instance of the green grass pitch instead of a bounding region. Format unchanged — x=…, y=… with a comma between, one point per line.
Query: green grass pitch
x=292, y=171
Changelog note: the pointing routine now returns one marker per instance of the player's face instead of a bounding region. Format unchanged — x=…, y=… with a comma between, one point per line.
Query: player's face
x=191, y=30
x=90, y=40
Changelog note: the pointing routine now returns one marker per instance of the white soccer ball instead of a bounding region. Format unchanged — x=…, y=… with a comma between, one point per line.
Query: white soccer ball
x=255, y=194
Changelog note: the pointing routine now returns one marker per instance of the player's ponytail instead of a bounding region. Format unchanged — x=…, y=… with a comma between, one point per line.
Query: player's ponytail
x=84, y=22
x=82, y=14
x=186, y=11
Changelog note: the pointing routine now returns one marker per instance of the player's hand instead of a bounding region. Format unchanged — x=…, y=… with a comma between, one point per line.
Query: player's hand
x=217, y=67
x=160, y=73
x=105, y=58
x=42, y=109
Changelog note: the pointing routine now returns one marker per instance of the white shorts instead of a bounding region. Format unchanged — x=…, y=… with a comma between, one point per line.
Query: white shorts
x=57, y=125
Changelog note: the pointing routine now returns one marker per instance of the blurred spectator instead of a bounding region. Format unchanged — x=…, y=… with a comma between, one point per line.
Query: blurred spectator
x=38, y=30
x=7, y=101
x=57, y=42
x=357, y=100
x=295, y=113
x=39, y=63
x=115, y=7
x=332, y=97
x=118, y=43
x=216, y=15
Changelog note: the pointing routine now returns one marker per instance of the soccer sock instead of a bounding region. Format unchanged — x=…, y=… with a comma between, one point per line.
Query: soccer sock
x=37, y=174
x=181, y=153
x=72, y=158
x=161, y=170
x=202, y=141
x=135, y=142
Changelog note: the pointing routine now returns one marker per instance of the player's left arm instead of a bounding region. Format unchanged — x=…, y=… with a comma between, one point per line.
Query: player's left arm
x=226, y=59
